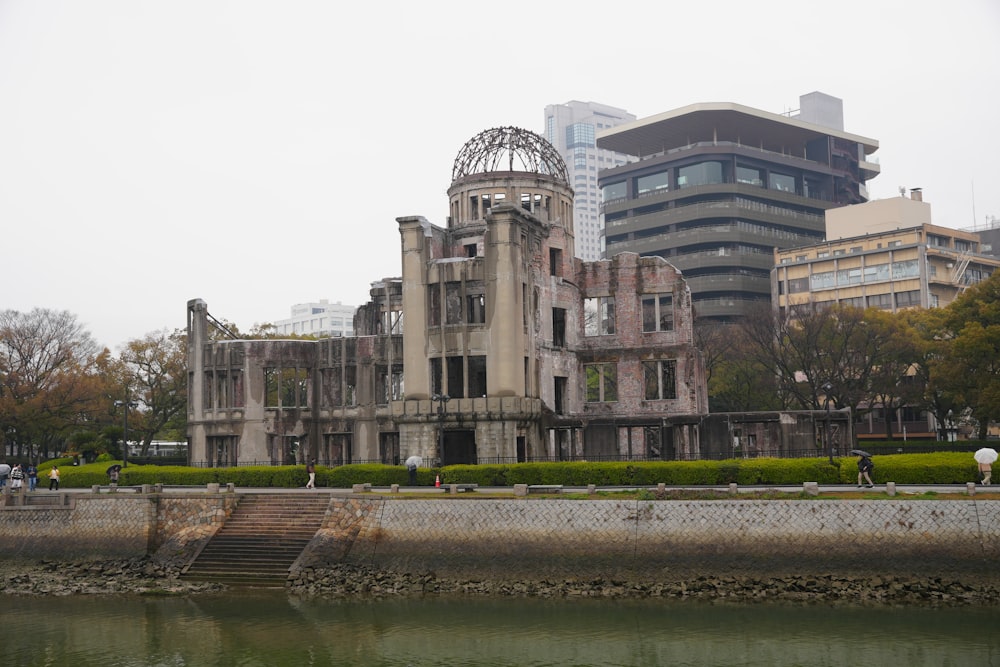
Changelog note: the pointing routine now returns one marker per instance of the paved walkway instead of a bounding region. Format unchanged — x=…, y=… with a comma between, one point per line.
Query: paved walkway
x=991, y=492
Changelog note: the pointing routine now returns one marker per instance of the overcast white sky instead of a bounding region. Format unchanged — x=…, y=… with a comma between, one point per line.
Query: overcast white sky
x=257, y=153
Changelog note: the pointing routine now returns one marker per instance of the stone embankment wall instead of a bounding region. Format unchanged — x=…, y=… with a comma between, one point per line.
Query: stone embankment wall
x=539, y=539
x=552, y=538
x=105, y=526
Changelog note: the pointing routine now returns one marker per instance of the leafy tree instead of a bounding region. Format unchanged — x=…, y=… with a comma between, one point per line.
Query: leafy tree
x=49, y=381
x=153, y=373
x=974, y=323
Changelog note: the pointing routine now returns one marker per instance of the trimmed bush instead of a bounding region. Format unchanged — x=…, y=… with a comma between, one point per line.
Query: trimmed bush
x=934, y=468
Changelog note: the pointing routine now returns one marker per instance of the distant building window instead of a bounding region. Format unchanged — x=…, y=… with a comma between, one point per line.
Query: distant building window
x=823, y=280
x=907, y=269
x=704, y=173
x=798, y=285
x=894, y=244
x=856, y=249
x=599, y=316
x=908, y=299
x=880, y=301
x=614, y=191
x=749, y=175
x=652, y=182
x=602, y=382
x=781, y=182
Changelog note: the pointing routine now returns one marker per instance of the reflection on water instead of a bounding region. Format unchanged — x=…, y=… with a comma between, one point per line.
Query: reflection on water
x=268, y=628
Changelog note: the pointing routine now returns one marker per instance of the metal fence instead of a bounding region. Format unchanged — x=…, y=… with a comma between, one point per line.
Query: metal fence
x=877, y=449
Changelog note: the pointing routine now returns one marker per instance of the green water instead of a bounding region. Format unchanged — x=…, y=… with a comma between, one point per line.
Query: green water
x=268, y=628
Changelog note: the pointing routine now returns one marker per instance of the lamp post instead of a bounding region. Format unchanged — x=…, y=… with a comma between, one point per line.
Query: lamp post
x=827, y=388
x=126, y=404
x=441, y=400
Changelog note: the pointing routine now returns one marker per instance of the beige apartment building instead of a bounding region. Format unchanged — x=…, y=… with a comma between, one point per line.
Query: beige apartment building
x=881, y=254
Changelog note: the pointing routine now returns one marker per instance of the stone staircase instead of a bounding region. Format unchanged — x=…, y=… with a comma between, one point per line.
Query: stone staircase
x=260, y=540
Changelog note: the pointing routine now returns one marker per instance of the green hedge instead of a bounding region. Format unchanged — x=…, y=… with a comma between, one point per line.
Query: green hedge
x=935, y=468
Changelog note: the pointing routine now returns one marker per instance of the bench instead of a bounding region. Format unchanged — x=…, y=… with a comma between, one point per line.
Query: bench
x=545, y=488
x=115, y=488
x=455, y=488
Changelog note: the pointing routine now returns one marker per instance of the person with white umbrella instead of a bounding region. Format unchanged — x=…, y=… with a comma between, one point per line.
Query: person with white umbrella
x=4, y=473
x=412, y=464
x=985, y=458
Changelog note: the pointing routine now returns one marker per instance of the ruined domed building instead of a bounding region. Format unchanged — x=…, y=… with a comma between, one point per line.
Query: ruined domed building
x=495, y=345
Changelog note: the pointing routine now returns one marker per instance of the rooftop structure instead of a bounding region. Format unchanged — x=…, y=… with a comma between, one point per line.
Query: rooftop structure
x=717, y=187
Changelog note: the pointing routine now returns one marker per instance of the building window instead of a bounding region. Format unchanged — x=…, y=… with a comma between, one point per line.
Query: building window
x=908, y=299
x=781, y=182
x=908, y=269
x=658, y=313
x=880, y=301
x=660, y=379
x=475, y=310
x=749, y=175
x=798, y=285
x=614, y=191
x=599, y=316
x=555, y=262
x=652, y=183
x=558, y=327
x=704, y=173
x=602, y=382
x=390, y=384
x=286, y=387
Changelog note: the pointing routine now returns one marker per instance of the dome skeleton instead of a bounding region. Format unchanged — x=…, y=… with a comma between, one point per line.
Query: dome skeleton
x=485, y=153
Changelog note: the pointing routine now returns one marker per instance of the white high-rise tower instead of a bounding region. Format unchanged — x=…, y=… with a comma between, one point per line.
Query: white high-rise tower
x=571, y=128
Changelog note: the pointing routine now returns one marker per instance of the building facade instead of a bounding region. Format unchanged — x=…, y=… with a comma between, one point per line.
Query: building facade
x=572, y=128
x=881, y=254
x=496, y=344
x=716, y=187
x=320, y=318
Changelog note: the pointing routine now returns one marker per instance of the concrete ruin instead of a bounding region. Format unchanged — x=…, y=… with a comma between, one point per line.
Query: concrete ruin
x=496, y=345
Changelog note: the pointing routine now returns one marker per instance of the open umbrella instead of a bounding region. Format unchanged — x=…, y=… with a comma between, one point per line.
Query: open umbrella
x=985, y=455
x=860, y=452
x=113, y=468
x=4, y=469
x=414, y=462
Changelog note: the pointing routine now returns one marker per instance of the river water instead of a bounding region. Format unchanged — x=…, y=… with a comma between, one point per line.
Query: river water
x=268, y=628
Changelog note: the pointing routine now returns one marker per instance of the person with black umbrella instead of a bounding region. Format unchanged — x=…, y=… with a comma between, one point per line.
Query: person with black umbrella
x=865, y=467
x=113, y=472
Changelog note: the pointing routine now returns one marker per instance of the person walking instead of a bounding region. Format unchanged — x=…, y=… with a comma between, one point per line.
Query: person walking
x=54, y=478
x=987, y=470
x=865, y=467
x=16, y=478
x=311, y=469
x=32, y=473
x=4, y=473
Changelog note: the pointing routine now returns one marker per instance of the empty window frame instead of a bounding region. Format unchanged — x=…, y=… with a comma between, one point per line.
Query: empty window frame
x=660, y=379
x=602, y=382
x=599, y=316
x=658, y=312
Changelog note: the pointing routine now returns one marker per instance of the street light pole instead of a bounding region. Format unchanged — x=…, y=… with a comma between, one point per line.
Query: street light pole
x=441, y=400
x=827, y=388
x=126, y=404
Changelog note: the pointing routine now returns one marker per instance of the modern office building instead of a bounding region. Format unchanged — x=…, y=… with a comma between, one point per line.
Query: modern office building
x=882, y=254
x=318, y=319
x=716, y=187
x=571, y=128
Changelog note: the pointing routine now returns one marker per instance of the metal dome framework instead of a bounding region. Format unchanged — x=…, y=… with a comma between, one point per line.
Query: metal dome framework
x=512, y=147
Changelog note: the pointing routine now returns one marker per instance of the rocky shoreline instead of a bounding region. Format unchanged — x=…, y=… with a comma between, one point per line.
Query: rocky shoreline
x=146, y=576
